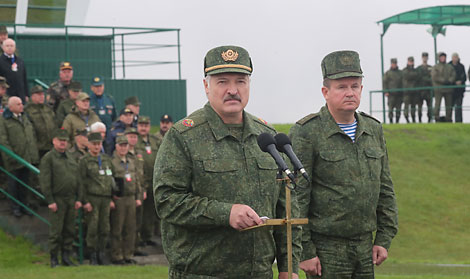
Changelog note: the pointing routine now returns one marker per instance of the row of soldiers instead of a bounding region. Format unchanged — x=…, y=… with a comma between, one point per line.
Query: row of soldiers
x=442, y=74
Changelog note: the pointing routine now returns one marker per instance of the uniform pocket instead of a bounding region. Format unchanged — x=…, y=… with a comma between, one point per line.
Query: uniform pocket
x=332, y=168
x=267, y=170
x=218, y=179
x=374, y=160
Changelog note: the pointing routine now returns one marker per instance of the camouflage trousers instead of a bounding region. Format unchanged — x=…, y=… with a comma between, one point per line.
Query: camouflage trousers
x=123, y=228
x=411, y=100
x=98, y=223
x=425, y=96
x=394, y=103
x=62, y=228
x=448, y=104
x=342, y=258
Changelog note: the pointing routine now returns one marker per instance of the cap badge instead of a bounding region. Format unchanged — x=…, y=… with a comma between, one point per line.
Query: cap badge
x=188, y=122
x=97, y=79
x=346, y=60
x=229, y=55
x=66, y=64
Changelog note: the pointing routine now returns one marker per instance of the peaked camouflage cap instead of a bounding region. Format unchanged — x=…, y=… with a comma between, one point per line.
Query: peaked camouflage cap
x=37, y=89
x=61, y=134
x=3, y=82
x=341, y=64
x=393, y=61
x=75, y=86
x=130, y=130
x=3, y=29
x=121, y=140
x=227, y=59
x=143, y=119
x=94, y=137
x=65, y=65
x=132, y=100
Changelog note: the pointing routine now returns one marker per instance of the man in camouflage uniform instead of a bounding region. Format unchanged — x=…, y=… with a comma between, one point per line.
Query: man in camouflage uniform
x=43, y=119
x=424, y=72
x=410, y=80
x=351, y=193
x=67, y=105
x=96, y=173
x=165, y=124
x=148, y=146
x=101, y=103
x=17, y=134
x=3, y=94
x=61, y=187
x=58, y=90
x=460, y=79
x=81, y=117
x=393, y=79
x=212, y=180
x=127, y=198
x=80, y=146
x=443, y=74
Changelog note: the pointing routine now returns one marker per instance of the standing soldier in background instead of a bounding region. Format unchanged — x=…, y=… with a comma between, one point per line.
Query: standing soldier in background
x=119, y=126
x=101, y=103
x=63, y=192
x=443, y=74
x=43, y=119
x=166, y=122
x=410, y=80
x=80, y=145
x=424, y=72
x=66, y=106
x=81, y=117
x=3, y=94
x=58, y=90
x=96, y=173
x=461, y=78
x=133, y=104
x=126, y=200
x=148, y=146
x=393, y=79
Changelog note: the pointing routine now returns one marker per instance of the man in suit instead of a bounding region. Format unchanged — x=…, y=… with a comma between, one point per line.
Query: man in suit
x=13, y=69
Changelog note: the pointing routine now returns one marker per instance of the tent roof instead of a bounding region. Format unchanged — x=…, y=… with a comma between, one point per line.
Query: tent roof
x=436, y=16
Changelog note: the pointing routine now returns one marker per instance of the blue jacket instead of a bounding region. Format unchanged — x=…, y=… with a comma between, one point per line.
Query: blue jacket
x=104, y=107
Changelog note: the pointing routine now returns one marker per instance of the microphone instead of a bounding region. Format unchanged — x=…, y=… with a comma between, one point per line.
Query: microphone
x=284, y=145
x=267, y=143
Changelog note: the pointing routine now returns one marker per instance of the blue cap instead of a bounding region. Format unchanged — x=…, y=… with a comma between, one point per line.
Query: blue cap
x=97, y=81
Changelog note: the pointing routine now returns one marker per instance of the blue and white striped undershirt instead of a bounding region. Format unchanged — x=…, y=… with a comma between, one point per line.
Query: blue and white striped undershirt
x=349, y=129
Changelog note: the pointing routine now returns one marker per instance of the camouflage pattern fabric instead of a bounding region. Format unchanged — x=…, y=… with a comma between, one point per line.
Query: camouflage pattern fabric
x=63, y=110
x=424, y=72
x=410, y=98
x=393, y=79
x=57, y=93
x=43, y=119
x=76, y=121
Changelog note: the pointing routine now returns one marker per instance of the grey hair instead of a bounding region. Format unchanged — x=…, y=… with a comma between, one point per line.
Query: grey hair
x=95, y=127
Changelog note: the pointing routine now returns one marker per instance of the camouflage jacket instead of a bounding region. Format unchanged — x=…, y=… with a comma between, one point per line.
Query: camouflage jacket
x=97, y=179
x=130, y=185
x=351, y=193
x=410, y=78
x=75, y=120
x=63, y=110
x=57, y=93
x=59, y=176
x=201, y=170
x=443, y=74
x=77, y=153
x=148, y=149
x=393, y=79
x=424, y=72
x=43, y=119
x=3, y=103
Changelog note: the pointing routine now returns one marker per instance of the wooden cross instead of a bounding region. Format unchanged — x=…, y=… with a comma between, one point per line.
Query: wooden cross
x=288, y=222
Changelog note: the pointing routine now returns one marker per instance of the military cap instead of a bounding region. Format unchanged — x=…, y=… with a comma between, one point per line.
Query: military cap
x=61, y=134
x=97, y=81
x=75, y=86
x=94, y=137
x=455, y=54
x=131, y=130
x=37, y=89
x=81, y=132
x=143, y=119
x=442, y=54
x=65, y=65
x=393, y=61
x=3, y=82
x=83, y=96
x=133, y=100
x=227, y=59
x=125, y=110
x=424, y=54
x=3, y=29
x=166, y=118
x=341, y=64
x=411, y=58
x=121, y=139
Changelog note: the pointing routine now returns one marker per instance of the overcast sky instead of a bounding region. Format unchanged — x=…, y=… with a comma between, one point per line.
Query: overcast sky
x=286, y=40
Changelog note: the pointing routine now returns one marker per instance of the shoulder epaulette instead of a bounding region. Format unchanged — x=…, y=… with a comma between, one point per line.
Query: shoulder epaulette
x=371, y=117
x=195, y=119
x=308, y=118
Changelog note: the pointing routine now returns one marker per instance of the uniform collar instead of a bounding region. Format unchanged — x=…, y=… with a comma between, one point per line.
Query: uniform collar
x=331, y=127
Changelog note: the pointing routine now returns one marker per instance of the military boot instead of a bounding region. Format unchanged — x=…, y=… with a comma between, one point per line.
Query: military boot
x=419, y=119
x=391, y=120
x=407, y=120
x=398, y=119
x=54, y=261
x=66, y=259
x=102, y=258
x=93, y=258
x=413, y=119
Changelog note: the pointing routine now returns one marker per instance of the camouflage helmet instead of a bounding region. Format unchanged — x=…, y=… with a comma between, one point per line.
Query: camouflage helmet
x=341, y=64
x=227, y=59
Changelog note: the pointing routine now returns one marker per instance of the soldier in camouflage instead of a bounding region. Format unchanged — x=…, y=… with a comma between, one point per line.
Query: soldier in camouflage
x=58, y=90
x=81, y=117
x=393, y=79
x=410, y=80
x=424, y=72
x=67, y=105
x=80, y=146
x=166, y=122
x=3, y=94
x=63, y=192
x=351, y=194
x=212, y=180
x=443, y=74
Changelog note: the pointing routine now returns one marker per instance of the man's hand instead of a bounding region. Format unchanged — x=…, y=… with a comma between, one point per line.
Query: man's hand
x=138, y=203
x=145, y=196
x=458, y=82
x=53, y=207
x=78, y=205
x=242, y=217
x=88, y=207
x=379, y=254
x=312, y=266
x=285, y=275
x=112, y=205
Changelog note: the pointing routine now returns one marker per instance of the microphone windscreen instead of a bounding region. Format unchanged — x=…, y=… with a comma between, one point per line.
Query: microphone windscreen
x=281, y=140
x=264, y=140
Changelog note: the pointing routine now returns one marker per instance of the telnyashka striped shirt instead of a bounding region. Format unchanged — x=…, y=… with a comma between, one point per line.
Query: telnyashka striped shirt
x=349, y=129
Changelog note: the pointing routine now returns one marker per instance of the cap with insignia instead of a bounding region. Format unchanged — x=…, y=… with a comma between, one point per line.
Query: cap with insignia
x=3, y=82
x=131, y=130
x=75, y=86
x=143, y=119
x=3, y=29
x=341, y=64
x=411, y=58
x=442, y=54
x=65, y=65
x=424, y=54
x=227, y=59
x=166, y=118
x=125, y=110
x=83, y=96
x=393, y=61
x=97, y=81
x=81, y=132
x=61, y=134
x=37, y=89
x=94, y=137
x=121, y=140
x=133, y=100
